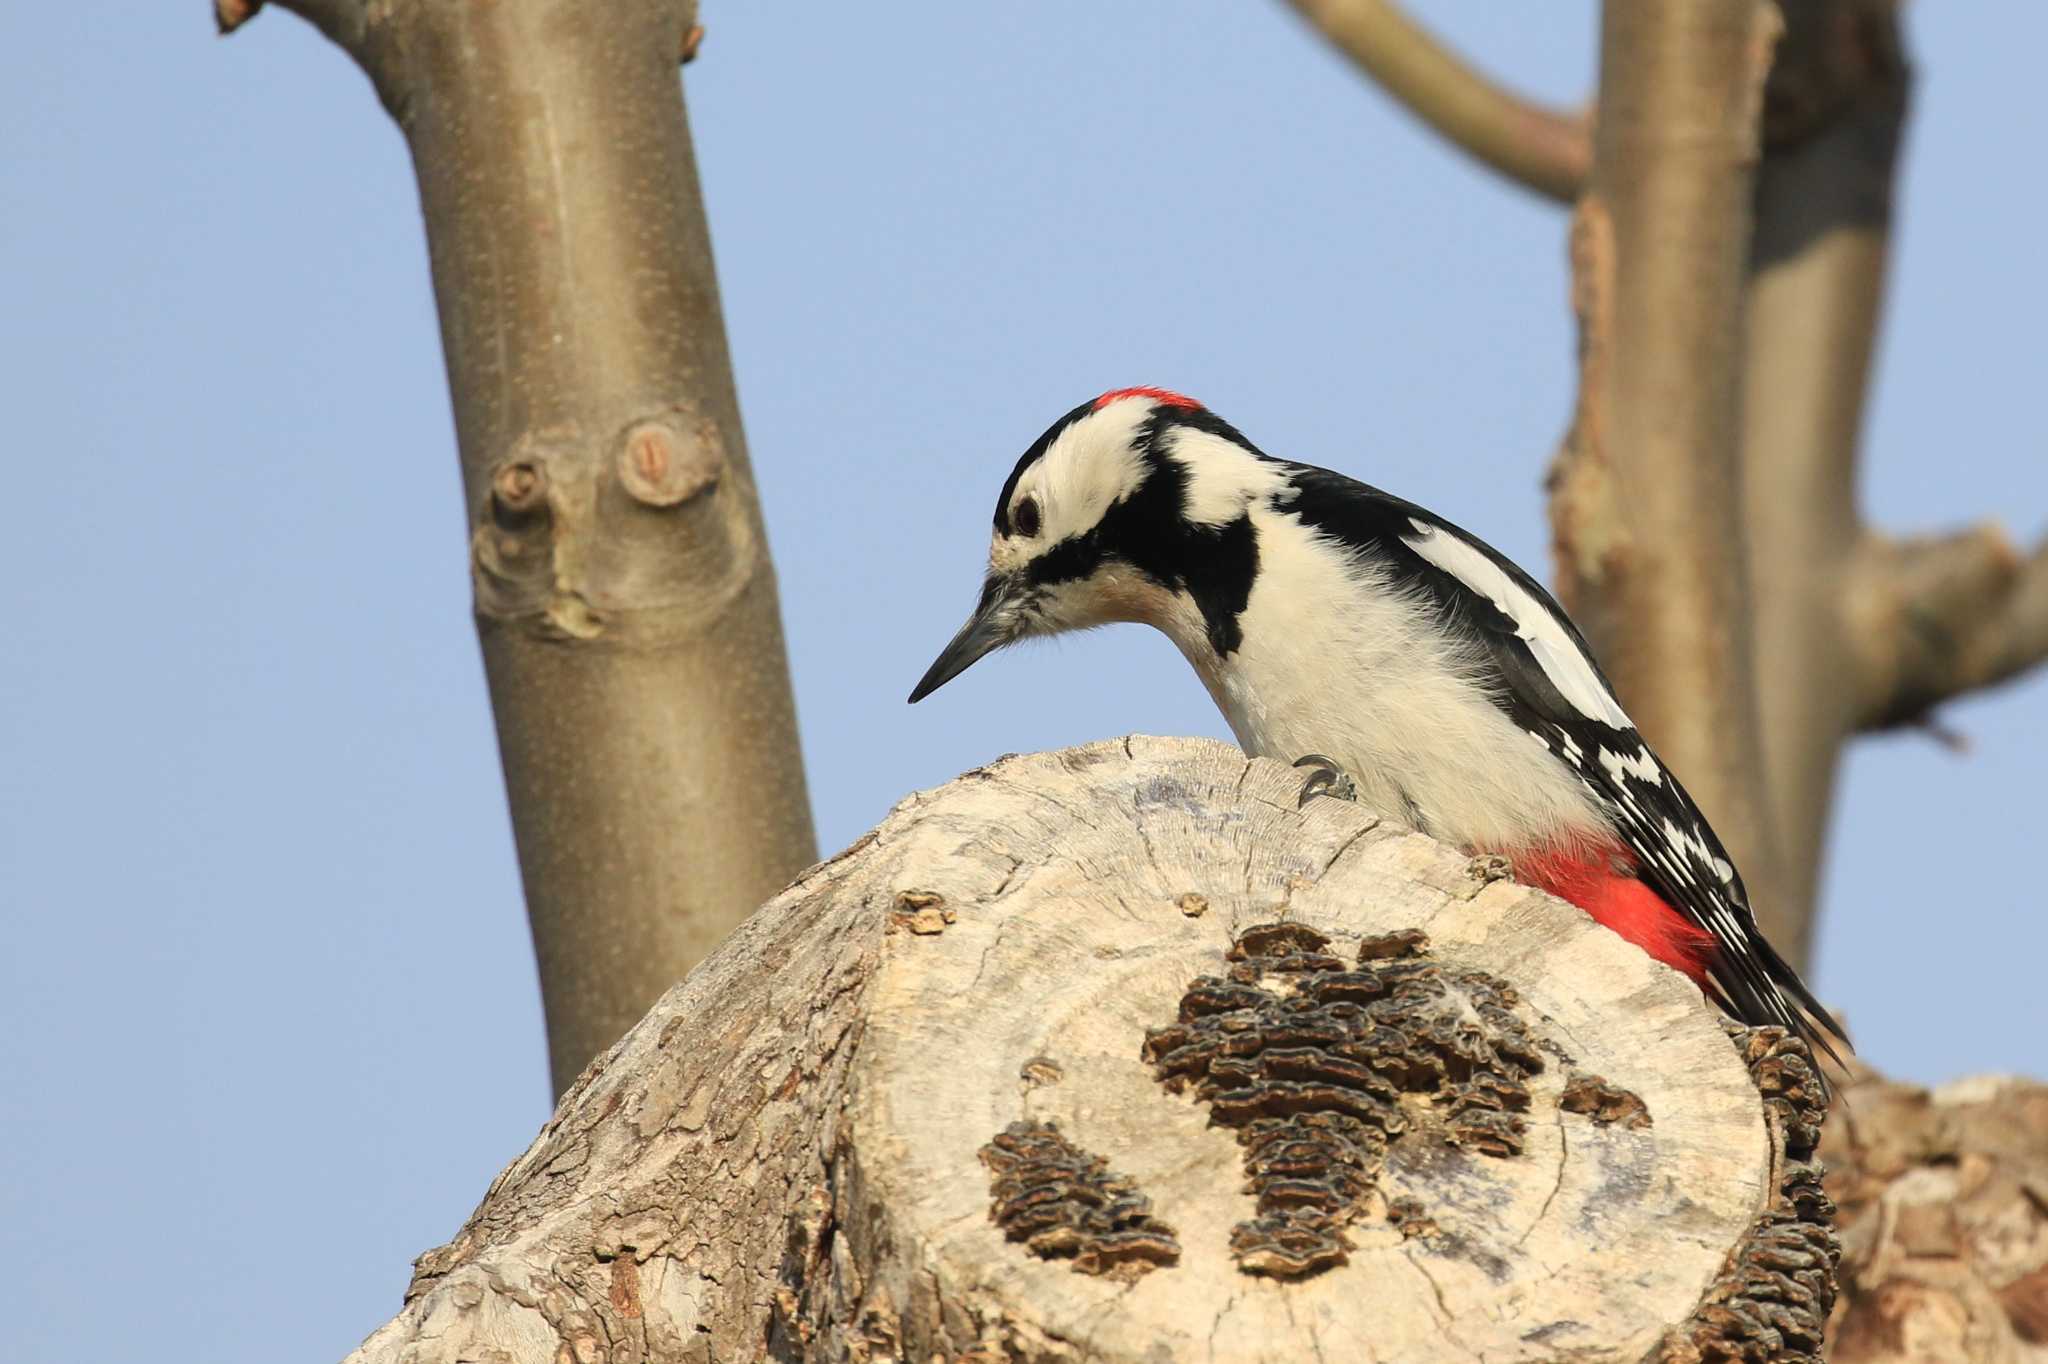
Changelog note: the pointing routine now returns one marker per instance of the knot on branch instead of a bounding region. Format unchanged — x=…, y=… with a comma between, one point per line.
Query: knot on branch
x=641, y=539
x=661, y=465
x=512, y=547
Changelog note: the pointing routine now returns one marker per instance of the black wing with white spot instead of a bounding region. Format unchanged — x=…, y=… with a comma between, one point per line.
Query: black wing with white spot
x=1545, y=678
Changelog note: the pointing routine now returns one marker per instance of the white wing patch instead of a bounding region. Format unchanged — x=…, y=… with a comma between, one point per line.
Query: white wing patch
x=1555, y=651
x=1638, y=764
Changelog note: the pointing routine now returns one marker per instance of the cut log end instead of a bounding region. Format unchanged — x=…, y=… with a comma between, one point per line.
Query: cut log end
x=987, y=1087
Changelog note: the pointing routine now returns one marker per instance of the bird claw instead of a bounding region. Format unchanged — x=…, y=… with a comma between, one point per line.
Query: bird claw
x=1328, y=779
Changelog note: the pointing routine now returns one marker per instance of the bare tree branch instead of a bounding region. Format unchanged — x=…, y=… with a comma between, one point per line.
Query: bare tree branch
x=1646, y=494
x=1944, y=615
x=624, y=596
x=1542, y=149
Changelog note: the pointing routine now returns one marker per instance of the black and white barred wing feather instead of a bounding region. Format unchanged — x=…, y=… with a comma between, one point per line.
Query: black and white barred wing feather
x=1680, y=857
x=1543, y=675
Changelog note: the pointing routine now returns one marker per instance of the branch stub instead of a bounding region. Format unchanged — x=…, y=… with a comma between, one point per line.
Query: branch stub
x=662, y=466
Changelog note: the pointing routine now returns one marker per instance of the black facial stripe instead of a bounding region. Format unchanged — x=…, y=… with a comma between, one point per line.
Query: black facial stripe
x=1077, y=556
x=1215, y=565
x=1219, y=578
x=1149, y=530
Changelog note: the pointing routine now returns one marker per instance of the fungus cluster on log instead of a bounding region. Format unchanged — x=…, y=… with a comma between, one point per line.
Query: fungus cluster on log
x=1310, y=1057
x=1064, y=1203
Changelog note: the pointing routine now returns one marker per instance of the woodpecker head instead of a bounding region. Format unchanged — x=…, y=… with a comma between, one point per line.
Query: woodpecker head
x=1131, y=507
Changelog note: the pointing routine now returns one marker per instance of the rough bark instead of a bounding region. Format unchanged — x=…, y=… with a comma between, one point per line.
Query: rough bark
x=623, y=590
x=1048, y=1066
x=1646, y=499
x=1944, y=1201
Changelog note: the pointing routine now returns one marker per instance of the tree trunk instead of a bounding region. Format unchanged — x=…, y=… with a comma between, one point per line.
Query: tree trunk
x=1860, y=631
x=1721, y=405
x=624, y=594
x=1647, y=492
x=1113, y=1053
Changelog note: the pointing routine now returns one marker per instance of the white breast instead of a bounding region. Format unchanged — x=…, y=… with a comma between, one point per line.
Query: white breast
x=1333, y=663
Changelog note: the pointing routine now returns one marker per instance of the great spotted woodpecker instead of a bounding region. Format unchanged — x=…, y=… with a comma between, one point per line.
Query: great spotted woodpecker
x=1329, y=618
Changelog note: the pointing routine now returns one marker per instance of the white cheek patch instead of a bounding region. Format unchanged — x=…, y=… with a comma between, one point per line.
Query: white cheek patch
x=1555, y=650
x=1223, y=478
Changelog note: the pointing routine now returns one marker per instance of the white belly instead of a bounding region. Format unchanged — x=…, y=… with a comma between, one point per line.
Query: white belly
x=1374, y=689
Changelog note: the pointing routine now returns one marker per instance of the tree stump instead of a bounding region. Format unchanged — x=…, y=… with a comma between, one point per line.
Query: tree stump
x=1112, y=1053
x=1944, y=1198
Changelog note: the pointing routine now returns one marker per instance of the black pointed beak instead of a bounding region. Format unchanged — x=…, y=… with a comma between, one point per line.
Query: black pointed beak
x=990, y=627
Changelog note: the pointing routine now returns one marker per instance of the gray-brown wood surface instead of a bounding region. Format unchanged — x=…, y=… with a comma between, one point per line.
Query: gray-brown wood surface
x=1029, y=1072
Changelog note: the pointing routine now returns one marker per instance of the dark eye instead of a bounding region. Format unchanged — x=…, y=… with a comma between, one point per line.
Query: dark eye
x=1025, y=516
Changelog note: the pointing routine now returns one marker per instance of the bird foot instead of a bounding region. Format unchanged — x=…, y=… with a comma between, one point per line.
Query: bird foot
x=1327, y=779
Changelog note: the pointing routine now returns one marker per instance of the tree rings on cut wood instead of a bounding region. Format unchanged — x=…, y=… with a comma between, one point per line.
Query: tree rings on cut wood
x=1343, y=1086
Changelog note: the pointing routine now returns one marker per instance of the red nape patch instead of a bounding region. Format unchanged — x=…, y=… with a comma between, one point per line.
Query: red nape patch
x=1165, y=397
x=1623, y=903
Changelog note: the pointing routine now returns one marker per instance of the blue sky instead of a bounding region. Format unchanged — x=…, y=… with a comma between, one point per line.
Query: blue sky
x=268, y=1022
